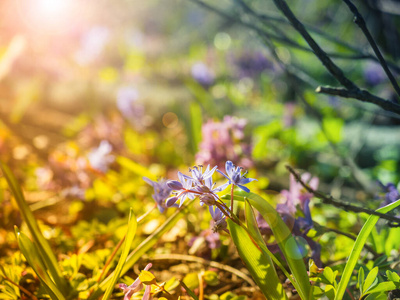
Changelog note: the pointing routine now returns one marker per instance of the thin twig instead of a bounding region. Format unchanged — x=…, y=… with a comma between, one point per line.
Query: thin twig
x=328, y=199
x=203, y=261
x=359, y=53
x=361, y=95
x=24, y=290
x=322, y=56
x=359, y=20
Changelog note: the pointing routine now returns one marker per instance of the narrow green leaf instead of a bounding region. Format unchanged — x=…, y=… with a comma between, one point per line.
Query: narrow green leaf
x=130, y=234
x=361, y=278
x=358, y=245
x=259, y=264
x=251, y=223
x=34, y=259
x=286, y=243
x=189, y=291
x=255, y=234
x=370, y=279
x=43, y=246
x=136, y=254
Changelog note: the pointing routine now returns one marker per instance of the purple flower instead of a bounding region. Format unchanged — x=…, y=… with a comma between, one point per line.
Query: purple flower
x=252, y=64
x=219, y=219
x=183, y=187
x=374, y=74
x=235, y=177
x=296, y=193
x=222, y=141
x=92, y=44
x=202, y=74
x=198, y=177
x=100, y=157
x=208, y=191
x=127, y=103
x=391, y=193
x=161, y=192
x=135, y=287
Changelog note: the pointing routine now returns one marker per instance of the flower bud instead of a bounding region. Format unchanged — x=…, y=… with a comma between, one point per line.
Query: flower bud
x=207, y=199
x=175, y=185
x=203, y=189
x=171, y=201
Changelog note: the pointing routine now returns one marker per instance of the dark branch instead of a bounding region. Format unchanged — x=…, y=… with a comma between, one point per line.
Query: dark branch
x=323, y=57
x=359, y=20
x=362, y=95
x=328, y=199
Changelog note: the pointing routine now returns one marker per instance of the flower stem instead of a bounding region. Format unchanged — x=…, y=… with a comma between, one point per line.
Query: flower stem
x=232, y=187
x=32, y=296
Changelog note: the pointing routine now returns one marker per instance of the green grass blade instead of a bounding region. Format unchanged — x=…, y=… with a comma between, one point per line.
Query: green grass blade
x=34, y=259
x=136, y=254
x=189, y=291
x=285, y=241
x=358, y=246
x=259, y=264
x=43, y=246
x=251, y=222
x=130, y=234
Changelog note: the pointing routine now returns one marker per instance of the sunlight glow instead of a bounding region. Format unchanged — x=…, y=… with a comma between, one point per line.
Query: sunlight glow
x=51, y=8
x=47, y=15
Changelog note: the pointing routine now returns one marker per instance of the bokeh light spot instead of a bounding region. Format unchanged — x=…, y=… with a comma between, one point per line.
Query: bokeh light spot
x=222, y=41
x=170, y=120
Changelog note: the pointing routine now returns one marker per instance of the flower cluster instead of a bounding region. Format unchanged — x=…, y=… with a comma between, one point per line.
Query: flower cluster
x=202, y=74
x=201, y=184
x=222, y=141
x=161, y=192
x=297, y=200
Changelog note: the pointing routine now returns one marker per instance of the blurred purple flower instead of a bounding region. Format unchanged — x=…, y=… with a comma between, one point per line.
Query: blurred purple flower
x=100, y=158
x=297, y=195
x=222, y=141
x=374, y=74
x=391, y=193
x=219, y=219
x=235, y=176
x=92, y=44
x=252, y=64
x=296, y=198
x=202, y=74
x=161, y=192
x=135, y=287
x=288, y=114
x=129, y=107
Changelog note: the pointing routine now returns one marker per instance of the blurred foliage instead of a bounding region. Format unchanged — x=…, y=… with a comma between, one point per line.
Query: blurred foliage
x=147, y=77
